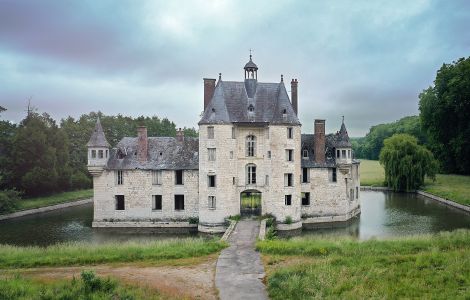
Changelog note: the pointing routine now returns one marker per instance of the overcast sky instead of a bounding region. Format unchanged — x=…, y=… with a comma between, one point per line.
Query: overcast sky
x=366, y=60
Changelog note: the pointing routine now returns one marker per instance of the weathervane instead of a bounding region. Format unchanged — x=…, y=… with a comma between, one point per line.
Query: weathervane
x=251, y=50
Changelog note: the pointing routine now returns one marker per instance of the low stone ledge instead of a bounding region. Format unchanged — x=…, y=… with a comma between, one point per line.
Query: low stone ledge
x=332, y=218
x=229, y=230
x=212, y=228
x=444, y=201
x=286, y=227
x=375, y=188
x=45, y=209
x=262, y=230
x=142, y=224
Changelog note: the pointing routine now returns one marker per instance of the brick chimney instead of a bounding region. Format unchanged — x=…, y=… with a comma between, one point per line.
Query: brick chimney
x=293, y=90
x=209, y=87
x=319, y=141
x=180, y=135
x=142, y=143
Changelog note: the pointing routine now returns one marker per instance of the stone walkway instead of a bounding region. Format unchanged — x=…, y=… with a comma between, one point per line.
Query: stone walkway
x=239, y=268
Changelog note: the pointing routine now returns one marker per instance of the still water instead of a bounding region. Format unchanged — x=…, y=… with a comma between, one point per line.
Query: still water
x=388, y=214
x=384, y=214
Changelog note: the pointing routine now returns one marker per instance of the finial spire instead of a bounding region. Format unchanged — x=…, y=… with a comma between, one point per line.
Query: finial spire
x=251, y=50
x=282, y=78
x=343, y=120
x=220, y=76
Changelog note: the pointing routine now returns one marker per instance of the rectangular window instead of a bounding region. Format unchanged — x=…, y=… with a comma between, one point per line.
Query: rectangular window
x=305, y=153
x=231, y=154
x=304, y=175
x=333, y=174
x=119, y=202
x=210, y=132
x=100, y=153
x=269, y=154
x=93, y=153
x=157, y=202
x=288, y=199
x=106, y=153
x=267, y=133
x=349, y=153
x=233, y=132
x=290, y=132
x=179, y=202
x=305, y=198
x=290, y=155
x=119, y=177
x=179, y=177
x=157, y=177
x=211, y=180
x=266, y=181
x=357, y=192
x=251, y=174
x=211, y=203
x=233, y=180
x=343, y=153
x=351, y=194
x=211, y=154
x=337, y=153
x=288, y=179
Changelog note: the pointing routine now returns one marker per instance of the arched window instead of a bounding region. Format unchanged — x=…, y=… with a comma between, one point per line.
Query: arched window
x=251, y=174
x=251, y=145
x=305, y=153
x=251, y=108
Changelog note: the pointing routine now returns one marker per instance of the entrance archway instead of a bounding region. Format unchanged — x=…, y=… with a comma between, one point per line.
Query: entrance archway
x=250, y=203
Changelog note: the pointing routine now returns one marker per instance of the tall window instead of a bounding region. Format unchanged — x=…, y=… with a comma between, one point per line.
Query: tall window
x=231, y=154
x=290, y=132
x=333, y=174
x=290, y=155
x=211, y=202
x=179, y=202
x=305, y=198
x=251, y=174
x=211, y=180
x=305, y=153
x=288, y=199
x=119, y=177
x=93, y=153
x=351, y=194
x=343, y=153
x=304, y=175
x=211, y=154
x=233, y=132
x=119, y=202
x=269, y=153
x=100, y=153
x=337, y=153
x=266, y=180
x=250, y=145
x=157, y=177
x=157, y=202
x=288, y=179
x=357, y=192
x=349, y=153
x=179, y=177
x=210, y=132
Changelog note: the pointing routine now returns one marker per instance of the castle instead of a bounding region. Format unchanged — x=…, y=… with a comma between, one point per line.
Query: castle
x=250, y=158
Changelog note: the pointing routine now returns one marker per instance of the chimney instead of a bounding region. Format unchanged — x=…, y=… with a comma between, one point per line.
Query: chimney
x=180, y=135
x=209, y=87
x=293, y=90
x=319, y=141
x=142, y=143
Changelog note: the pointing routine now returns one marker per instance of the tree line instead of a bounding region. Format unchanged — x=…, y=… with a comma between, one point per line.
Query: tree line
x=39, y=156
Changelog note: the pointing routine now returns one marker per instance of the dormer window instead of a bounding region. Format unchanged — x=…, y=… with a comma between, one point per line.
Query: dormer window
x=251, y=108
x=304, y=153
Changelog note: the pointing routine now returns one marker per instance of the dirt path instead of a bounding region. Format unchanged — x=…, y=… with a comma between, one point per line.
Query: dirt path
x=183, y=282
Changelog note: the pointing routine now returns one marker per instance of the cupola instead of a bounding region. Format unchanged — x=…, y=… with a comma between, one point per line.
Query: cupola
x=98, y=150
x=251, y=70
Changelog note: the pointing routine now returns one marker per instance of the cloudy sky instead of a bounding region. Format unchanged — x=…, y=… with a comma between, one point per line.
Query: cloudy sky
x=367, y=60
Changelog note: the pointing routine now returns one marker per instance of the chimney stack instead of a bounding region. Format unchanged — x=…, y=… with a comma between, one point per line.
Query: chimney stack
x=319, y=141
x=180, y=135
x=142, y=143
x=209, y=87
x=293, y=90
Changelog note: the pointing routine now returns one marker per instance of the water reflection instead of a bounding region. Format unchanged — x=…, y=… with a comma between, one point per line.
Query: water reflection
x=387, y=214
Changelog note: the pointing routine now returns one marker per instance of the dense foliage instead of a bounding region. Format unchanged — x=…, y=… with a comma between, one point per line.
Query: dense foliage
x=369, y=147
x=9, y=201
x=445, y=115
x=406, y=163
x=39, y=157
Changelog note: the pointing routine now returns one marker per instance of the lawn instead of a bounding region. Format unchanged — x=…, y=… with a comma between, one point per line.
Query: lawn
x=73, y=254
x=30, y=203
x=423, y=267
x=453, y=187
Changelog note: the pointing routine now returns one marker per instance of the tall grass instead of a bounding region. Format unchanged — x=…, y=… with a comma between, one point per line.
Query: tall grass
x=86, y=253
x=452, y=187
x=36, y=202
x=424, y=267
x=372, y=173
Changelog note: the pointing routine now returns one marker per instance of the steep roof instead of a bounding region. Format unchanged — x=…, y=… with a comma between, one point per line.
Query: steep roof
x=232, y=100
x=342, y=137
x=98, y=138
x=164, y=153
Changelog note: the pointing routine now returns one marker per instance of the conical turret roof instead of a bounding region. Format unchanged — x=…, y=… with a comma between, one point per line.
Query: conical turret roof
x=98, y=138
x=342, y=137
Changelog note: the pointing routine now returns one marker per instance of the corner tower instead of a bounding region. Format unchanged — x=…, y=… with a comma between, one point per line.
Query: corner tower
x=98, y=150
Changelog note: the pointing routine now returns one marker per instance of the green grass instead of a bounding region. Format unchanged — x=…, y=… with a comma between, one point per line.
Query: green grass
x=452, y=187
x=89, y=286
x=372, y=173
x=88, y=253
x=423, y=267
x=37, y=202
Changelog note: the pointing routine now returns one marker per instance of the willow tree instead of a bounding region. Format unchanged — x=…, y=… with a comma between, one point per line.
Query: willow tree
x=406, y=163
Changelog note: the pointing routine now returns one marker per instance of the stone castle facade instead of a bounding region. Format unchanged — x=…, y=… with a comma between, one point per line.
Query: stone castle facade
x=250, y=158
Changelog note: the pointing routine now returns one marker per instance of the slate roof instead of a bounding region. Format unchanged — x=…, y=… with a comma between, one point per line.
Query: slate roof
x=97, y=138
x=231, y=100
x=250, y=65
x=164, y=153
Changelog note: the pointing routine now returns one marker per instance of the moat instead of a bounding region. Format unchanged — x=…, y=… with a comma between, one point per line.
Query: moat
x=384, y=214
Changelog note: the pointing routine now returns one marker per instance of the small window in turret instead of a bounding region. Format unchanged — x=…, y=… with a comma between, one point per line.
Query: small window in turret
x=93, y=153
x=349, y=153
x=343, y=153
x=100, y=153
x=107, y=153
x=251, y=108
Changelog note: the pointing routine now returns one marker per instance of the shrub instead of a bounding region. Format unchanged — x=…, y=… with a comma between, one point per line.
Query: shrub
x=80, y=181
x=235, y=218
x=9, y=201
x=193, y=220
x=288, y=220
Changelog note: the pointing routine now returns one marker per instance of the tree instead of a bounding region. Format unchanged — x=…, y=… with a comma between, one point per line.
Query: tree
x=406, y=163
x=445, y=115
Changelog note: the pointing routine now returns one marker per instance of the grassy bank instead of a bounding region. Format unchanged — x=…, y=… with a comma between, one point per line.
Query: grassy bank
x=89, y=254
x=37, y=202
x=453, y=187
x=88, y=286
x=415, y=267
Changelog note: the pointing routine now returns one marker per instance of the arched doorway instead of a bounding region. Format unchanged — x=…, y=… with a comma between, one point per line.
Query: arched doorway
x=250, y=203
